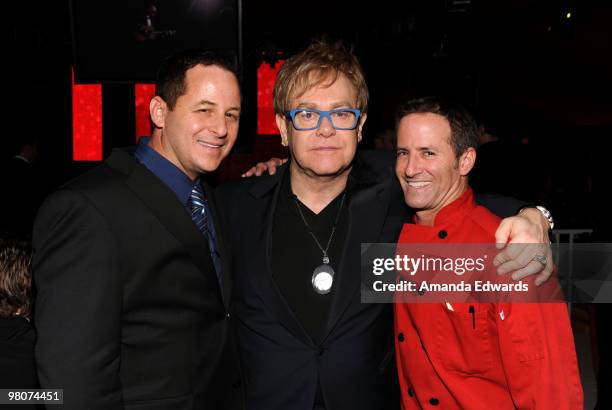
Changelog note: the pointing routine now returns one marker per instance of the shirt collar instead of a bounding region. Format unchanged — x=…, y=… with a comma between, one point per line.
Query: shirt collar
x=165, y=170
x=464, y=204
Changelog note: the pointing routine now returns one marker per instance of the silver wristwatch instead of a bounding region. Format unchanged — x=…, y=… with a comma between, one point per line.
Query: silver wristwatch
x=547, y=215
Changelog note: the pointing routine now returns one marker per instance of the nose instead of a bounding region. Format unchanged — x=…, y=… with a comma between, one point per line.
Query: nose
x=326, y=128
x=412, y=166
x=218, y=125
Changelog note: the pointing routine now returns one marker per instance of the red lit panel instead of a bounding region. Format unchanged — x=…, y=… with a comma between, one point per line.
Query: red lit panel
x=266, y=76
x=86, y=121
x=142, y=96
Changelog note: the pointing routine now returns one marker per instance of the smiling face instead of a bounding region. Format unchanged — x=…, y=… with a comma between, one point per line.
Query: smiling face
x=203, y=125
x=429, y=172
x=324, y=152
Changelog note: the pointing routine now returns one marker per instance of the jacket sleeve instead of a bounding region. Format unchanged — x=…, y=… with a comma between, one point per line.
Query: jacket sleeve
x=502, y=206
x=539, y=357
x=78, y=303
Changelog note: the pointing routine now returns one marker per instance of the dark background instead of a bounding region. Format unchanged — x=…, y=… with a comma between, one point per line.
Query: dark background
x=538, y=80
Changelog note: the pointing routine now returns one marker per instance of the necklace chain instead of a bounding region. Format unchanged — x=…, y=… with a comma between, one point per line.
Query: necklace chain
x=331, y=235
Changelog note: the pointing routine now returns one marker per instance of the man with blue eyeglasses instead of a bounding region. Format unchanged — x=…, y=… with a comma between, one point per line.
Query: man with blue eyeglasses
x=306, y=341
x=342, y=119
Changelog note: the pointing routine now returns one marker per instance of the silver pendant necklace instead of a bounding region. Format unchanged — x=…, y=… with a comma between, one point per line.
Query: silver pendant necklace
x=323, y=275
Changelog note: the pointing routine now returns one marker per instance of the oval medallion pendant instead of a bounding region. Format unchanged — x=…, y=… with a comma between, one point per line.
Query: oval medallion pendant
x=323, y=279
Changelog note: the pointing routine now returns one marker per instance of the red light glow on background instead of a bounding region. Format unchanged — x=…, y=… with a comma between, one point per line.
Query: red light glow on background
x=142, y=96
x=86, y=121
x=266, y=76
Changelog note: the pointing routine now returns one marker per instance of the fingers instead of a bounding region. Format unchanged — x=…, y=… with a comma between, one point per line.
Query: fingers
x=532, y=268
x=504, y=256
x=519, y=258
x=269, y=165
x=514, y=257
x=502, y=235
x=521, y=240
x=249, y=173
x=273, y=163
x=257, y=170
x=261, y=167
x=548, y=270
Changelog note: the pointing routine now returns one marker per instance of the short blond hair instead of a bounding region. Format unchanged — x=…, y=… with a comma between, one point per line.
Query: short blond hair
x=321, y=61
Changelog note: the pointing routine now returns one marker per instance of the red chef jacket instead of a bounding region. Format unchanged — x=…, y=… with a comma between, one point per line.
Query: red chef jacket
x=471, y=358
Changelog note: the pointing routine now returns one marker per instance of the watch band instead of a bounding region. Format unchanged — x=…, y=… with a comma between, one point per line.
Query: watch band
x=547, y=215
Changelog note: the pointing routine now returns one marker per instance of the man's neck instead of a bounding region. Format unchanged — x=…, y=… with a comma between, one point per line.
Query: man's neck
x=428, y=216
x=157, y=144
x=314, y=191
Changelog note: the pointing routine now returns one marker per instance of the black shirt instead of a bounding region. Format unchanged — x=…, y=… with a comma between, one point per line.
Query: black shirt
x=17, y=367
x=295, y=255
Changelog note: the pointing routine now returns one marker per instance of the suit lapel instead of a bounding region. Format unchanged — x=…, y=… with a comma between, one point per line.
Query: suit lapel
x=367, y=210
x=266, y=196
x=162, y=203
x=220, y=229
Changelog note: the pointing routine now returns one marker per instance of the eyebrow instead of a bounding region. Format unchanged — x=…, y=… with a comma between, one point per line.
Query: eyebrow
x=421, y=149
x=339, y=104
x=208, y=102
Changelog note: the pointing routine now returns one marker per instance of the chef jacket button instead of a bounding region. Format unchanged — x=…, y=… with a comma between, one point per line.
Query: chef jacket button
x=227, y=315
x=401, y=337
x=442, y=234
x=434, y=402
x=410, y=392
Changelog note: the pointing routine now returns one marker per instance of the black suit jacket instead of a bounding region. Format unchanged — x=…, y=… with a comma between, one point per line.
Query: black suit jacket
x=355, y=363
x=129, y=311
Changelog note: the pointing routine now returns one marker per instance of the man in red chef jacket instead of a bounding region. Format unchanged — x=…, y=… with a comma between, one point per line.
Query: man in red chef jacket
x=480, y=355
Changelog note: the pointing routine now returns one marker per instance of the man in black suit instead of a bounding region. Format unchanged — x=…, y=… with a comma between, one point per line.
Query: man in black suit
x=306, y=340
x=133, y=302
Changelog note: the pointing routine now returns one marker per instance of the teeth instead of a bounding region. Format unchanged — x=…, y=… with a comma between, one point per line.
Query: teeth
x=206, y=144
x=418, y=184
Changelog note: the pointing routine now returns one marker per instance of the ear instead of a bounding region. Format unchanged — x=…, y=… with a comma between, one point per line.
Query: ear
x=362, y=121
x=157, y=110
x=467, y=161
x=281, y=123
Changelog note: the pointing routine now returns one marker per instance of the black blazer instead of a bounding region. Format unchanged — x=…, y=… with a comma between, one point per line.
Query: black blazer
x=129, y=311
x=355, y=364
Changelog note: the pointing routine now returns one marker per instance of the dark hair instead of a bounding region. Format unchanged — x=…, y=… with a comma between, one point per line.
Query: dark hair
x=464, y=130
x=170, y=83
x=15, y=278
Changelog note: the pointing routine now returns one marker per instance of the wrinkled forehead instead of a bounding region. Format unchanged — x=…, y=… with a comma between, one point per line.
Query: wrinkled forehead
x=322, y=77
x=421, y=127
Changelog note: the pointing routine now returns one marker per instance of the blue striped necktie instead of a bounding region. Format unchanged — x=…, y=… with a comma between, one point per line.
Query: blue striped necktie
x=200, y=213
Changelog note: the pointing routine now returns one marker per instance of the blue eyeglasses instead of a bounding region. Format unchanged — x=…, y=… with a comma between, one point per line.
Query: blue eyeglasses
x=305, y=119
